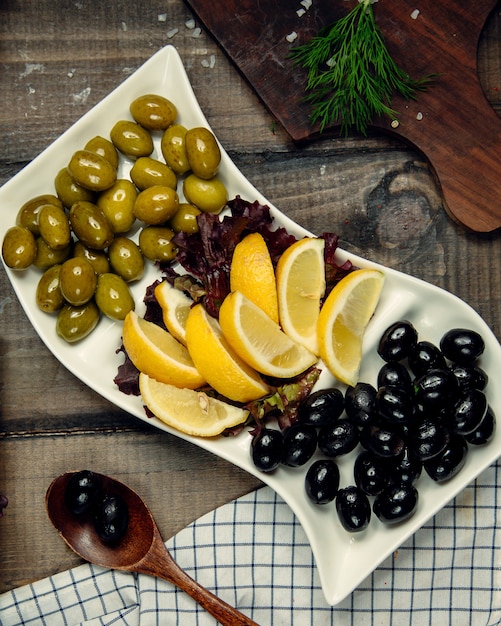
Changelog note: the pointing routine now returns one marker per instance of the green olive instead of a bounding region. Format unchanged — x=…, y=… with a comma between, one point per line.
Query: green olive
x=47, y=257
x=156, y=243
x=173, y=147
x=76, y=322
x=156, y=205
x=203, y=153
x=147, y=172
x=19, y=248
x=28, y=214
x=209, y=196
x=131, y=139
x=91, y=225
x=91, y=170
x=97, y=258
x=153, y=112
x=54, y=227
x=185, y=219
x=69, y=191
x=77, y=281
x=104, y=148
x=113, y=296
x=117, y=203
x=48, y=295
x=126, y=259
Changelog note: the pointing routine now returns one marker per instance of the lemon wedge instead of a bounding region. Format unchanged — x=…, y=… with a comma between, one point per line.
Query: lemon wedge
x=252, y=274
x=300, y=277
x=343, y=319
x=218, y=363
x=155, y=352
x=191, y=412
x=259, y=341
x=175, y=305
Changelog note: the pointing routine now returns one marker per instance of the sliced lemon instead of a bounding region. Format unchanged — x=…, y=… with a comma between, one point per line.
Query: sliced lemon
x=301, y=286
x=218, y=363
x=259, y=341
x=343, y=319
x=155, y=352
x=252, y=274
x=175, y=306
x=191, y=412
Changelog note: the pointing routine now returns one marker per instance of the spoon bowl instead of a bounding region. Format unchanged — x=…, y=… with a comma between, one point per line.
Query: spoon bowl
x=141, y=550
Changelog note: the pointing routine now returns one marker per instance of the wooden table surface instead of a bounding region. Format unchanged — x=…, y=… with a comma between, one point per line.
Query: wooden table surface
x=59, y=58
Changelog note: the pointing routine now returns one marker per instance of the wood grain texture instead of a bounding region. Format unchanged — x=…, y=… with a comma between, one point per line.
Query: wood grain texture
x=57, y=59
x=452, y=123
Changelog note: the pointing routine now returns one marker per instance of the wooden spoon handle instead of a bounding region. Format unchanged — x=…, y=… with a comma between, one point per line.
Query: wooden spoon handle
x=158, y=562
x=221, y=610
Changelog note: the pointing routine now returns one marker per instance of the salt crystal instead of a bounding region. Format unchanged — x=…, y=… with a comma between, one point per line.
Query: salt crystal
x=419, y=116
x=300, y=12
x=162, y=17
x=196, y=33
x=306, y=4
x=172, y=32
x=210, y=62
x=190, y=24
x=414, y=14
x=291, y=37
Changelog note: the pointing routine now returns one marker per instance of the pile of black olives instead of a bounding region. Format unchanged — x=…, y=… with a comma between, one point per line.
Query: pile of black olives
x=81, y=234
x=86, y=499
x=426, y=410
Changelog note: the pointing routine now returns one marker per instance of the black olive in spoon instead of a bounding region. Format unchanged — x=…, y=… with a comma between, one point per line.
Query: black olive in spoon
x=141, y=549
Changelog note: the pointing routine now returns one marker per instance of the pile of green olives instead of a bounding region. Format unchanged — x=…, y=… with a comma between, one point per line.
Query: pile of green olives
x=427, y=410
x=81, y=237
x=86, y=499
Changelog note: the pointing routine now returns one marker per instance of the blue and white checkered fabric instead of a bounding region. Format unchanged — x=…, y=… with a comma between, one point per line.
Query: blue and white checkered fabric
x=448, y=573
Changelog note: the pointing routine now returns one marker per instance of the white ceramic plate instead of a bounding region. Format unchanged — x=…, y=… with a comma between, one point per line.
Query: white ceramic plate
x=343, y=560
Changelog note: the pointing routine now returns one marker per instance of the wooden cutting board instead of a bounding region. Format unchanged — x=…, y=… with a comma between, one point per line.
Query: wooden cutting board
x=452, y=123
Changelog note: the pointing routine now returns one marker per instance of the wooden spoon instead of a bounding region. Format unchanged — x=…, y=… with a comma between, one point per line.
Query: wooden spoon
x=141, y=550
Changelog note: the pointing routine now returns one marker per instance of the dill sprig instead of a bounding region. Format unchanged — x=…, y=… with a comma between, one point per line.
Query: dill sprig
x=351, y=75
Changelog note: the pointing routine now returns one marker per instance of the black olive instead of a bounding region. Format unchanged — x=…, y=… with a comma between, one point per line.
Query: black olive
x=359, y=403
x=300, y=443
x=370, y=473
x=111, y=518
x=383, y=441
x=461, y=345
x=339, y=438
x=321, y=407
x=484, y=432
x=469, y=376
x=82, y=492
x=429, y=438
x=449, y=462
x=397, y=341
x=407, y=469
x=394, y=375
x=395, y=405
x=436, y=389
x=396, y=504
x=425, y=356
x=469, y=411
x=322, y=481
x=353, y=509
x=267, y=449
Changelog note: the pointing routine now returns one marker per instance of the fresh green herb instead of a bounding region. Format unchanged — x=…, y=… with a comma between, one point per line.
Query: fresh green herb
x=351, y=75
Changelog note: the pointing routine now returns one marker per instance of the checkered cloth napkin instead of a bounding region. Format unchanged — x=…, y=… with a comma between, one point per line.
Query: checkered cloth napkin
x=254, y=554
